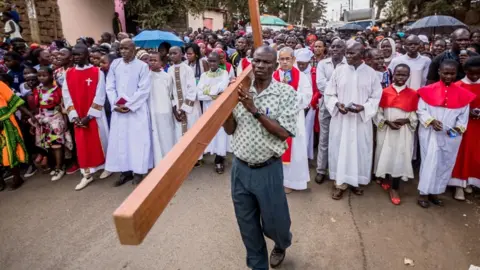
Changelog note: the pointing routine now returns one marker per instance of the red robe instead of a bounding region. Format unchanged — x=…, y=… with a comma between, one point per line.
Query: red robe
x=406, y=100
x=468, y=158
x=287, y=156
x=82, y=86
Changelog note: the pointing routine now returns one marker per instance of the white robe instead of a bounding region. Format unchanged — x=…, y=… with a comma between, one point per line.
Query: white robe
x=212, y=84
x=310, y=120
x=437, y=149
x=129, y=144
x=296, y=174
x=189, y=91
x=351, y=135
x=394, y=150
x=163, y=127
x=99, y=115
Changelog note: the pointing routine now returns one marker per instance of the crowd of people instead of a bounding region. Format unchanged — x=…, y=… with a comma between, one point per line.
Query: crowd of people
x=375, y=104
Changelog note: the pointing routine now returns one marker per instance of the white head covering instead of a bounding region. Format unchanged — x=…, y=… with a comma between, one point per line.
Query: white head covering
x=303, y=55
x=394, y=51
x=423, y=38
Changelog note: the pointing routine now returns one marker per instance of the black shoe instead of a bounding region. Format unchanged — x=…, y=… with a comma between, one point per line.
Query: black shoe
x=423, y=203
x=276, y=257
x=17, y=182
x=198, y=164
x=137, y=179
x=124, y=178
x=3, y=185
x=320, y=178
x=435, y=200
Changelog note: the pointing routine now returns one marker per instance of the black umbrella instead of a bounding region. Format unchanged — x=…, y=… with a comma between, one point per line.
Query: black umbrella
x=437, y=24
x=351, y=27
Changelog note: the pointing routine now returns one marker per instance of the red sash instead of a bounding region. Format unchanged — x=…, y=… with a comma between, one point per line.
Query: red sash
x=287, y=156
x=406, y=100
x=245, y=63
x=451, y=97
x=315, y=98
x=82, y=86
x=229, y=67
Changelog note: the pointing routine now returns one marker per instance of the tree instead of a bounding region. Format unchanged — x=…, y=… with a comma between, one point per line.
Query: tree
x=395, y=10
x=156, y=14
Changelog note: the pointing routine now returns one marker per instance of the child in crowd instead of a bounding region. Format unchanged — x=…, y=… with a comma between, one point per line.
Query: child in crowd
x=443, y=111
x=212, y=83
x=396, y=122
x=51, y=134
x=163, y=127
x=105, y=62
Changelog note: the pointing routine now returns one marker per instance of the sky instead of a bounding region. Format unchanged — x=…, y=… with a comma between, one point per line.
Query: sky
x=335, y=5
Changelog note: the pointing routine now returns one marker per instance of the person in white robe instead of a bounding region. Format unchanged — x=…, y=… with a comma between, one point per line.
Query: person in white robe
x=303, y=57
x=161, y=115
x=352, y=97
x=396, y=122
x=324, y=73
x=84, y=71
x=443, y=111
x=295, y=171
x=211, y=85
x=186, y=107
x=128, y=89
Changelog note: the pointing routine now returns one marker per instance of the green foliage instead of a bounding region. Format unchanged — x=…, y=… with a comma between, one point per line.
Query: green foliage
x=155, y=14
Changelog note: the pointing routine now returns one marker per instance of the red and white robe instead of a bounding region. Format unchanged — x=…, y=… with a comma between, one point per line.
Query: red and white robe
x=295, y=160
x=84, y=95
x=311, y=124
x=449, y=105
x=467, y=167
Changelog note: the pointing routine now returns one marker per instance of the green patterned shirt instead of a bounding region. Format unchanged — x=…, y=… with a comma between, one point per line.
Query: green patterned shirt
x=251, y=141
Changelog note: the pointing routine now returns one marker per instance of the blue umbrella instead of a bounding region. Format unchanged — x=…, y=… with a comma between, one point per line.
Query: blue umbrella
x=153, y=38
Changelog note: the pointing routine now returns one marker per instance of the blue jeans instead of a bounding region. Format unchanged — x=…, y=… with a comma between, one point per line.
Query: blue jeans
x=261, y=209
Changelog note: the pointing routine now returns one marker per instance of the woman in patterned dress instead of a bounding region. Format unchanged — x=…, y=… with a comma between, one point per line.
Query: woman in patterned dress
x=12, y=146
x=52, y=133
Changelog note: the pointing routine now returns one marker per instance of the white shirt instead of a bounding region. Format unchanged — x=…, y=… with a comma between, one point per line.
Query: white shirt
x=418, y=69
x=325, y=70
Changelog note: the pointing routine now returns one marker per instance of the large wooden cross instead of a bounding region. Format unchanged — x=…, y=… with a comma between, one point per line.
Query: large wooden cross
x=136, y=215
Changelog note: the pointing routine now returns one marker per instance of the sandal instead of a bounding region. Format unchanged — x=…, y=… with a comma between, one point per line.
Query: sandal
x=337, y=194
x=379, y=181
x=394, y=198
x=287, y=190
x=357, y=191
x=386, y=186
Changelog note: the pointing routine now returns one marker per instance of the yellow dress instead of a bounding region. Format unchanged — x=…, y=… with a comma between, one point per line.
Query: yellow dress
x=11, y=141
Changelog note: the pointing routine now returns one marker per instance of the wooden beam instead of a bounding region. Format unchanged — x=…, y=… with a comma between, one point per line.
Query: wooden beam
x=255, y=23
x=137, y=214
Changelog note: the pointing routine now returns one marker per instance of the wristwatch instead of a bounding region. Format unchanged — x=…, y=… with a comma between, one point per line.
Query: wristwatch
x=257, y=114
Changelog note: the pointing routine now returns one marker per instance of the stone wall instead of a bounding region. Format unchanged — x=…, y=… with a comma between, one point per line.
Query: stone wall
x=48, y=19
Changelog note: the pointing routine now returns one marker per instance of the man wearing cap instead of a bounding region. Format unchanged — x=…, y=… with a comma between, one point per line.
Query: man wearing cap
x=295, y=159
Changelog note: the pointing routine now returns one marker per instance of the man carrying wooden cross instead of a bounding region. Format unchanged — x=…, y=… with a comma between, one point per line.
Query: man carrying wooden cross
x=260, y=126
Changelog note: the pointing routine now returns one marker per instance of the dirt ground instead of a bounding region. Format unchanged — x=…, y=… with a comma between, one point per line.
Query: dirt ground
x=48, y=225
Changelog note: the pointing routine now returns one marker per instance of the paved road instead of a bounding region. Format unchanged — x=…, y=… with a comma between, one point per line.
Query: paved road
x=47, y=225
